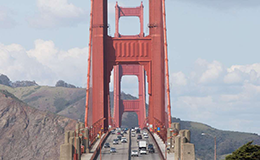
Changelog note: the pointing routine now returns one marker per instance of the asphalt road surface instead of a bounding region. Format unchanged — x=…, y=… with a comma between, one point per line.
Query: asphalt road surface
x=148, y=156
x=121, y=149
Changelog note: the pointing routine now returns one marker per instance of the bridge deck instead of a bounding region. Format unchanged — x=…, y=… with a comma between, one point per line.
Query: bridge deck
x=123, y=151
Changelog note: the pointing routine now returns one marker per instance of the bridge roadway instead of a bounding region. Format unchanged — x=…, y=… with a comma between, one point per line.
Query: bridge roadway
x=150, y=156
x=122, y=149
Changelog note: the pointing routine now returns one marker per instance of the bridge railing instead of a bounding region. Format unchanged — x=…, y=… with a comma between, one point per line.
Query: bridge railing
x=95, y=130
x=156, y=144
x=101, y=143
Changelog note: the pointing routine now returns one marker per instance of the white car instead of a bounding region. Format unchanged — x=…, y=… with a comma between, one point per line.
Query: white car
x=143, y=151
x=134, y=153
x=133, y=134
x=124, y=140
x=146, y=136
x=115, y=141
x=112, y=150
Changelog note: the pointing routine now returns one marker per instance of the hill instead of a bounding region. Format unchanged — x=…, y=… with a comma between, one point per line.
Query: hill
x=70, y=102
x=27, y=133
x=227, y=141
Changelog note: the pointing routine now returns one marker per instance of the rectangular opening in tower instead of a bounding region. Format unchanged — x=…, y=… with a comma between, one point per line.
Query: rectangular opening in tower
x=129, y=26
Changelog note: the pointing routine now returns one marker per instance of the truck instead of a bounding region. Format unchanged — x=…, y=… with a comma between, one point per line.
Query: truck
x=142, y=147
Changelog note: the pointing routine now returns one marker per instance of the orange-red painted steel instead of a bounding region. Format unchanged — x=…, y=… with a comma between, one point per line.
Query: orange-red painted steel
x=166, y=66
x=138, y=105
x=109, y=51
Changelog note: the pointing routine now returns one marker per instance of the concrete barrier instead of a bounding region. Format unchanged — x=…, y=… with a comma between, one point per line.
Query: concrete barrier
x=155, y=142
x=102, y=141
x=73, y=140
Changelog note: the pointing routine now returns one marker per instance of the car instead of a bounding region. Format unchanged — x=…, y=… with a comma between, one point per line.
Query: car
x=106, y=145
x=146, y=136
x=115, y=141
x=138, y=131
x=113, y=132
x=124, y=140
x=112, y=150
x=150, y=145
x=132, y=130
x=139, y=136
x=119, y=137
x=134, y=153
x=133, y=134
x=143, y=151
x=151, y=150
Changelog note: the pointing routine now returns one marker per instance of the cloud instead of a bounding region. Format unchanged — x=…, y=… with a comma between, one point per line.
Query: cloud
x=217, y=95
x=212, y=73
x=46, y=64
x=57, y=13
x=225, y=4
x=17, y=65
x=6, y=20
x=178, y=79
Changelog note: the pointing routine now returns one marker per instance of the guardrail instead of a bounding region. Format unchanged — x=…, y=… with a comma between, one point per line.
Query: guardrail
x=102, y=141
x=155, y=142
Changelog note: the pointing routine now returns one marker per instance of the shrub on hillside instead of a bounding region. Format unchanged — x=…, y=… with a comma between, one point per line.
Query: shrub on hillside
x=246, y=152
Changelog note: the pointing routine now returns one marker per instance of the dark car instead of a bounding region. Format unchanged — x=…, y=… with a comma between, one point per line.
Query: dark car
x=119, y=137
x=139, y=136
x=150, y=146
x=151, y=150
x=138, y=131
x=106, y=145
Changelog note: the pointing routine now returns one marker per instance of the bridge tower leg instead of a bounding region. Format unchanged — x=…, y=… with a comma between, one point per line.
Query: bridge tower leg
x=100, y=74
x=157, y=85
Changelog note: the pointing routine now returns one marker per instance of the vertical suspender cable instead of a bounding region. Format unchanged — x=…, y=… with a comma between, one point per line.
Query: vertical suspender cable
x=89, y=64
x=166, y=65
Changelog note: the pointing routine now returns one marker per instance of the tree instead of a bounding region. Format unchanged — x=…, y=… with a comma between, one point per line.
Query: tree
x=246, y=152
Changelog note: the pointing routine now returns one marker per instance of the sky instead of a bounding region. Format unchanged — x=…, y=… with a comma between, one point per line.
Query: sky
x=214, y=53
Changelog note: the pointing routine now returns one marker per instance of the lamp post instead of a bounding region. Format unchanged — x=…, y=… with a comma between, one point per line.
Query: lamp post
x=215, y=144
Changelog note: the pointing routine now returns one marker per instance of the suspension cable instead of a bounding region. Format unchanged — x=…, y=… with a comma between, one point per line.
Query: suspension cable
x=89, y=65
x=166, y=65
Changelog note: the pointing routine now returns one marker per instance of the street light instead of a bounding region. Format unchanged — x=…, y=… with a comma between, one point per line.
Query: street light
x=215, y=144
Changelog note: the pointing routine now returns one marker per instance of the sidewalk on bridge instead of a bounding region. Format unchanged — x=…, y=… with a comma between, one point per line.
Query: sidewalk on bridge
x=162, y=146
x=87, y=156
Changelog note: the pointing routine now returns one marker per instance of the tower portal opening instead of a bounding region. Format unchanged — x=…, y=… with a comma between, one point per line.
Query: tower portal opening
x=125, y=23
x=129, y=119
x=129, y=87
